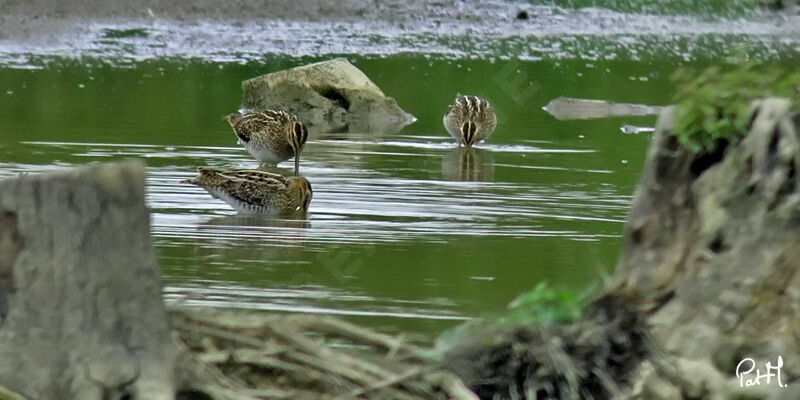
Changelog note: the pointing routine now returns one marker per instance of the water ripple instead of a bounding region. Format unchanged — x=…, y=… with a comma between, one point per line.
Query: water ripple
x=219, y=258
x=317, y=300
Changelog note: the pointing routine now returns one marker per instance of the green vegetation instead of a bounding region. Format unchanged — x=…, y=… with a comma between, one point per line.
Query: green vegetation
x=541, y=304
x=714, y=104
x=544, y=304
x=6, y=394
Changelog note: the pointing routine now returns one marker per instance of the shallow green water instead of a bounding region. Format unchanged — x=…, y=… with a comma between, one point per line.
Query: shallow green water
x=405, y=230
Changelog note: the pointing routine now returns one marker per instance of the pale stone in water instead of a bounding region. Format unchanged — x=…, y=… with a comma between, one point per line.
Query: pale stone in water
x=329, y=96
x=571, y=108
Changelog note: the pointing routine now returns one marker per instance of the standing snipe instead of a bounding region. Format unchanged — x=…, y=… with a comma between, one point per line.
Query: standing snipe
x=469, y=119
x=270, y=136
x=255, y=192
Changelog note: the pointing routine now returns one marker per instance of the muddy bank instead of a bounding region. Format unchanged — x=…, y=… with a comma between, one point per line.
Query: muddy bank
x=42, y=18
x=310, y=10
x=248, y=30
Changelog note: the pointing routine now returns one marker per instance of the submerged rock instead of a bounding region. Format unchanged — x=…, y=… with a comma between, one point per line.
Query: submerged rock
x=572, y=108
x=329, y=96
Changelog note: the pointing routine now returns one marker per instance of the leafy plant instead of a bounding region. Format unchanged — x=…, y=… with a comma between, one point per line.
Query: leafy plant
x=541, y=304
x=714, y=104
x=544, y=304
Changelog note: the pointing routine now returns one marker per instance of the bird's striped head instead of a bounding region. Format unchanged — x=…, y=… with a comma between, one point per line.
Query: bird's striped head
x=468, y=136
x=297, y=134
x=301, y=190
x=469, y=119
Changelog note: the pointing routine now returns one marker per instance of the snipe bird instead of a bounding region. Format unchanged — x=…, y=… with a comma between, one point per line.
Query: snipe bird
x=256, y=192
x=270, y=136
x=469, y=119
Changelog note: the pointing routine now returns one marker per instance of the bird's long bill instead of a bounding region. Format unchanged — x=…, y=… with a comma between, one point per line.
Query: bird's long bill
x=296, y=164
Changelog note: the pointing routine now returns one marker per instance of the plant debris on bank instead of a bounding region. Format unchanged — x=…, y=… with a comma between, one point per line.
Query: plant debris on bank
x=544, y=347
x=255, y=355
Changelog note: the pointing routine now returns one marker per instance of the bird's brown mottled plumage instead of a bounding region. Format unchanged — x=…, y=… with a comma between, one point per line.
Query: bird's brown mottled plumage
x=469, y=119
x=253, y=191
x=270, y=136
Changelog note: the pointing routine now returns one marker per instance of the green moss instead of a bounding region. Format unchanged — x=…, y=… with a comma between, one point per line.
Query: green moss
x=714, y=104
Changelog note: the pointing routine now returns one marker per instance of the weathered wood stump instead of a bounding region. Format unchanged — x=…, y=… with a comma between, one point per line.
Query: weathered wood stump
x=81, y=314
x=712, y=252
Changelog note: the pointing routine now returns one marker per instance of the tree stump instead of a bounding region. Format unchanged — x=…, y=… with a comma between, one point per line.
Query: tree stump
x=81, y=314
x=712, y=253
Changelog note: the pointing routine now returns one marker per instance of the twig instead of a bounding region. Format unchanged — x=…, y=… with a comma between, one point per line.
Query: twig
x=254, y=358
x=258, y=348
x=357, y=333
x=227, y=335
x=357, y=370
x=451, y=385
x=384, y=383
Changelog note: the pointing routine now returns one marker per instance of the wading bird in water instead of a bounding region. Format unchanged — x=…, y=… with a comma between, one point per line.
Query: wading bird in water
x=469, y=119
x=270, y=136
x=256, y=192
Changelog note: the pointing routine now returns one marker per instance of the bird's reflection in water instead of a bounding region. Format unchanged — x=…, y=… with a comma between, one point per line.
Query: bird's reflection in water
x=468, y=164
x=258, y=220
x=254, y=237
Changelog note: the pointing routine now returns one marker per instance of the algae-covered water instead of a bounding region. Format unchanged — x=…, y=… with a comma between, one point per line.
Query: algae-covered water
x=405, y=231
